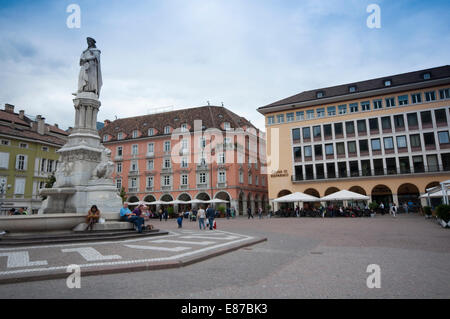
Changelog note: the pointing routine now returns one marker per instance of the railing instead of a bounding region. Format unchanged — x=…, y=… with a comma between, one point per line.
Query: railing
x=373, y=172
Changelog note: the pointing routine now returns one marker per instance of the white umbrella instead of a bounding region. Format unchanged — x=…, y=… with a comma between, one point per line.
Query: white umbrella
x=436, y=194
x=196, y=201
x=296, y=197
x=344, y=195
x=177, y=201
x=216, y=201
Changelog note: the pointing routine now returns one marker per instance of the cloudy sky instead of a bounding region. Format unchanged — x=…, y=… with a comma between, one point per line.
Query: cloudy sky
x=183, y=53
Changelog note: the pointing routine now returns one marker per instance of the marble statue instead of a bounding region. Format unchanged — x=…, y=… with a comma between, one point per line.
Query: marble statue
x=105, y=168
x=90, y=77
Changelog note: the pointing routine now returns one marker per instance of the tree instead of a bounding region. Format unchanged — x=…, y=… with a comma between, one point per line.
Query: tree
x=49, y=184
x=123, y=194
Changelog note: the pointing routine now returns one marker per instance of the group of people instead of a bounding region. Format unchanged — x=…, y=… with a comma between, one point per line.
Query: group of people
x=20, y=211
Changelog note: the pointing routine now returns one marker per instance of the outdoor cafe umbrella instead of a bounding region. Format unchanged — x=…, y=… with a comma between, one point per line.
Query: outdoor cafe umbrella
x=216, y=201
x=296, y=197
x=436, y=194
x=344, y=195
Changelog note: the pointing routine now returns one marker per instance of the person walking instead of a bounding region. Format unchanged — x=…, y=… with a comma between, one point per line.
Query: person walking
x=210, y=214
x=160, y=213
x=180, y=220
x=260, y=213
x=201, y=215
x=405, y=208
x=249, y=213
x=228, y=212
x=166, y=214
x=394, y=210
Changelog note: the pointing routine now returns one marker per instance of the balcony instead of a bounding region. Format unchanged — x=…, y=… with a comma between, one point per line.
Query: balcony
x=166, y=170
x=150, y=155
x=132, y=190
x=133, y=173
x=390, y=171
x=149, y=189
x=118, y=158
x=202, y=186
x=166, y=188
x=222, y=185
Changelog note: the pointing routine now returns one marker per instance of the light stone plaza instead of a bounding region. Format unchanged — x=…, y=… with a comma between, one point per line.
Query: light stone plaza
x=340, y=191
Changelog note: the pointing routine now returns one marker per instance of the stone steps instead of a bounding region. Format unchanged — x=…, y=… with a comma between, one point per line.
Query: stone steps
x=76, y=237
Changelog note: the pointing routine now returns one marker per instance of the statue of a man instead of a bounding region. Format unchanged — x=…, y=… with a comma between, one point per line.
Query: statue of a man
x=90, y=78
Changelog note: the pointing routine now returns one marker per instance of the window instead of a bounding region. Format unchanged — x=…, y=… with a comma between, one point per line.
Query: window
x=4, y=160
x=320, y=113
x=351, y=147
x=340, y=148
x=353, y=107
x=365, y=168
x=443, y=137
x=270, y=120
x=222, y=177
x=386, y=123
x=404, y=165
x=387, y=83
x=167, y=146
x=119, y=151
x=23, y=145
x=166, y=180
x=133, y=182
x=290, y=117
x=202, y=142
x=331, y=170
x=241, y=177
x=310, y=114
x=184, y=162
x=184, y=127
x=221, y=158
x=308, y=151
x=342, y=169
x=150, y=182
x=373, y=124
x=338, y=129
x=297, y=153
x=391, y=166
x=403, y=100
x=376, y=144
x=296, y=134
x=50, y=165
x=444, y=94
x=365, y=106
x=134, y=166
x=331, y=110
x=120, y=136
x=280, y=118
x=401, y=141
x=19, y=186
x=134, y=149
x=306, y=132
x=119, y=183
x=426, y=76
x=362, y=128
x=432, y=162
x=318, y=152
x=378, y=166
x=250, y=180
x=119, y=168
x=184, y=180
x=167, y=163
x=202, y=178
x=399, y=121
x=415, y=141
x=413, y=122
x=319, y=95
x=390, y=102
x=350, y=127
x=426, y=118
x=329, y=150
x=151, y=132
x=418, y=164
x=363, y=146
x=342, y=109
x=428, y=138
x=6, y=143
x=416, y=98
x=388, y=143
x=300, y=116
x=327, y=130
x=377, y=104
x=440, y=116
x=150, y=165
x=105, y=138
x=167, y=129
x=150, y=147
x=134, y=134
x=21, y=162
x=354, y=168
x=352, y=89
x=430, y=96
x=317, y=132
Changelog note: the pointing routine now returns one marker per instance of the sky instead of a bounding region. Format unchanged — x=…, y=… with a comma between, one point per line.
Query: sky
x=184, y=53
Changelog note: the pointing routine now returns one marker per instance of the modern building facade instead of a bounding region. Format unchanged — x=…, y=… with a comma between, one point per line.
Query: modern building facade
x=198, y=153
x=27, y=158
x=387, y=138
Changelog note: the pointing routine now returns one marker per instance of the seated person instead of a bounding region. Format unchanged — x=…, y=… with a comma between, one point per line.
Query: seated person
x=128, y=216
x=92, y=217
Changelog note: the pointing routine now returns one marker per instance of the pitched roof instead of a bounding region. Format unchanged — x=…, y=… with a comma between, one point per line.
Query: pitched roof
x=211, y=117
x=365, y=86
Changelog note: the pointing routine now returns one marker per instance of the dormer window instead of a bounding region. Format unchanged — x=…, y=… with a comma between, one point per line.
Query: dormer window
x=134, y=134
x=184, y=127
x=226, y=126
x=387, y=83
x=167, y=130
x=320, y=94
x=120, y=136
x=105, y=138
x=151, y=132
x=352, y=89
x=427, y=76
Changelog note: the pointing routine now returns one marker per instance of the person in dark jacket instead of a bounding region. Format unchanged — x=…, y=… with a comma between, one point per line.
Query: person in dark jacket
x=210, y=214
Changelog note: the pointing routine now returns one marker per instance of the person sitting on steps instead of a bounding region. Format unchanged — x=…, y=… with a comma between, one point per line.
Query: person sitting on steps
x=92, y=217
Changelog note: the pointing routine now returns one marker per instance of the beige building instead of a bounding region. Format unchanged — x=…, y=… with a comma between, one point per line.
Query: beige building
x=387, y=138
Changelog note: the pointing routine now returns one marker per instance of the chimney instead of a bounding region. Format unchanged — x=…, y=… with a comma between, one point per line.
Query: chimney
x=40, y=124
x=21, y=114
x=106, y=122
x=56, y=125
x=9, y=108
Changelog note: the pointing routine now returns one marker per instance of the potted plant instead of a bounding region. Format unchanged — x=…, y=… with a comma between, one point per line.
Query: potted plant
x=170, y=212
x=222, y=210
x=443, y=215
x=427, y=211
x=373, y=207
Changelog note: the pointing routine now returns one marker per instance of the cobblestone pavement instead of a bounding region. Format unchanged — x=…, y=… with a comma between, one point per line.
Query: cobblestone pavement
x=302, y=258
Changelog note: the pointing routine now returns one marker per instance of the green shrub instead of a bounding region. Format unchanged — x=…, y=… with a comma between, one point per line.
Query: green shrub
x=427, y=210
x=443, y=212
x=373, y=205
x=170, y=212
x=221, y=209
